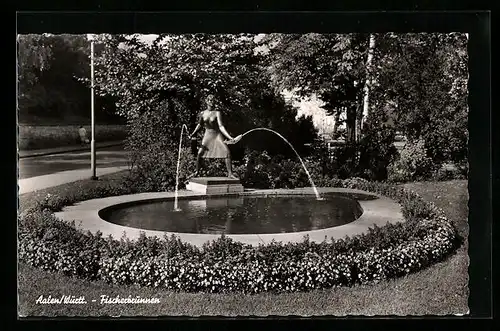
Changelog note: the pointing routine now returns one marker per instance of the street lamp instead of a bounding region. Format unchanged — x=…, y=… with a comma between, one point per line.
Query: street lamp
x=91, y=38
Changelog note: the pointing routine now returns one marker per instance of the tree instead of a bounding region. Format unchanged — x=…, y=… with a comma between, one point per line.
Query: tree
x=332, y=66
x=368, y=82
x=160, y=86
x=173, y=66
x=33, y=58
x=425, y=77
x=174, y=72
x=49, y=68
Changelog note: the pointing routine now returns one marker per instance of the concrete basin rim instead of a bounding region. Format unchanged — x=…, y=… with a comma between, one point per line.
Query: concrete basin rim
x=87, y=213
x=200, y=196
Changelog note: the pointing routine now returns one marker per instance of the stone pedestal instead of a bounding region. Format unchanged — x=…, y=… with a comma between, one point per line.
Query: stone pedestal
x=214, y=185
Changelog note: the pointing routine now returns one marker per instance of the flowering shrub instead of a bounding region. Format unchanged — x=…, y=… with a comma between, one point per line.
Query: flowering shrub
x=224, y=265
x=412, y=164
x=257, y=170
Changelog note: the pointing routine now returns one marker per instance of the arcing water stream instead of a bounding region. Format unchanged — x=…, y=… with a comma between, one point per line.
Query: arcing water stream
x=303, y=165
x=238, y=138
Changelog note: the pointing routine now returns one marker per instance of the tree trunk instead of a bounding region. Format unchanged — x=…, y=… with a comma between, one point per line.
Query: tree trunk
x=359, y=120
x=336, y=123
x=366, y=99
x=351, y=124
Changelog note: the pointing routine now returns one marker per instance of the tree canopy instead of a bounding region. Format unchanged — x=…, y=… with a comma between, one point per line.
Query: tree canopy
x=175, y=66
x=425, y=77
x=417, y=81
x=332, y=66
x=174, y=73
x=49, y=68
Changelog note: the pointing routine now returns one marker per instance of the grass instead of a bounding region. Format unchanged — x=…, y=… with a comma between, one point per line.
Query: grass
x=439, y=290
x=47, y=136
x=29, y=199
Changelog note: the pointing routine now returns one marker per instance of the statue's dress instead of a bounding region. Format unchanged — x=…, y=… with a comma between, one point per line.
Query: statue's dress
x=213, y=141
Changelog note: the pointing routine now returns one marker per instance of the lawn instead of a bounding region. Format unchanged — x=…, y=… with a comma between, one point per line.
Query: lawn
x=47, y=136
x=439, y=290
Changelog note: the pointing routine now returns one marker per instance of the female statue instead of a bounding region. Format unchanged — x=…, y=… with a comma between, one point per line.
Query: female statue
x=213, y=144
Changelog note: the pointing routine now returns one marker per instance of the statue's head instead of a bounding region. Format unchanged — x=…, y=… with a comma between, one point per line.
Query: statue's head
x=210, y=100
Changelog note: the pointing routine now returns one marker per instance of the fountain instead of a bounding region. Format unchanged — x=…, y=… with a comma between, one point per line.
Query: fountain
x=252, y=213
x=227, y=185
x=176, y=197
x=252, y=217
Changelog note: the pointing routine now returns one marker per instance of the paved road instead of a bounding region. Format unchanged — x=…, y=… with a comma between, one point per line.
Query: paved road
x=45, y=165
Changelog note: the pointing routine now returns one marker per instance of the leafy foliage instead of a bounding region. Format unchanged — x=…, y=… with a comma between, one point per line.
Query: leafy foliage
x=160, y=87
x=260, y=170
x=312, y=63
x=425, y=75
x=142, y=75
x=331, y=66
x=376, y=151
x=413, y=163
x=419, y=82
x=33, y=58
x=49, y=68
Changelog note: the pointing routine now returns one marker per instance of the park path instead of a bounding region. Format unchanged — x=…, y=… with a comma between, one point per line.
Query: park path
x=40, y=169
x=45, y=181
x=66, y=149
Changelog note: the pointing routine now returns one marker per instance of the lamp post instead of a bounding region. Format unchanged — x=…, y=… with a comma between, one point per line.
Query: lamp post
x=91, y=38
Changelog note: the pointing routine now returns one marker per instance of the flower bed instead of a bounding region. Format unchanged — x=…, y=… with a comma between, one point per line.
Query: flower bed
x=224, y=265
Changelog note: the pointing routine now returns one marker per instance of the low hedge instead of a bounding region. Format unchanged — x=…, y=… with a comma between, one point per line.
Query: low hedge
x=33, y=137
x=224, y=265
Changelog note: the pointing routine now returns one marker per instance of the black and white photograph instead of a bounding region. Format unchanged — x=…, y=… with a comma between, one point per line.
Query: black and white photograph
x=243, y=174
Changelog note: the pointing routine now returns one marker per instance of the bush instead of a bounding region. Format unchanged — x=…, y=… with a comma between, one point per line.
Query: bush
x=376, y=150
x=413, y=164
x=260, y=170
x=449, y=142
x=444, y=173
x=227, y=266
x=369, y=158
x=344, y=161
x=214, y=167
x=155, y=133
x=155, y=169
x=153, y=146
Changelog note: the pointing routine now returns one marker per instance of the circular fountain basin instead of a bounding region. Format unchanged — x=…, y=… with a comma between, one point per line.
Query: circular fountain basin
x=254, y=217
x=250, y=214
